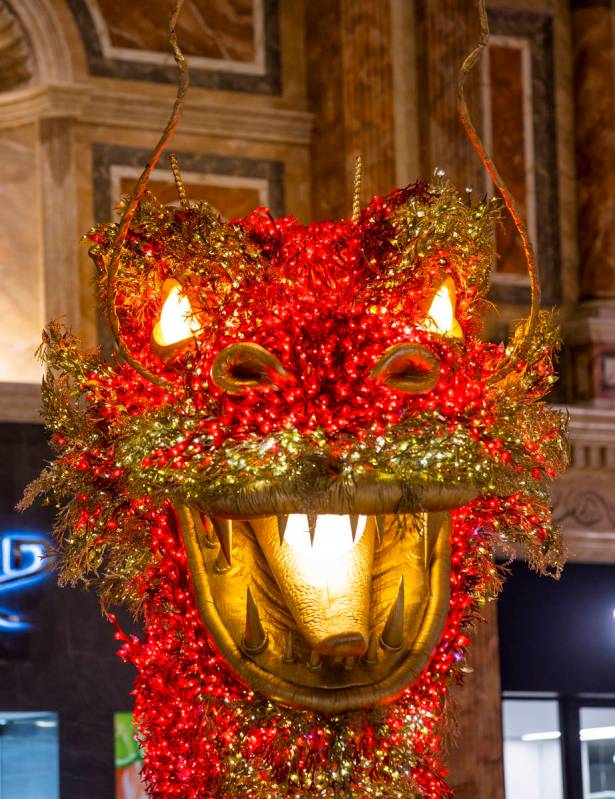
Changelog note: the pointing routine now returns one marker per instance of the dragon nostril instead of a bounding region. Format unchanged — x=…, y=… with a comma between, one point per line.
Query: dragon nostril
x=407, y=367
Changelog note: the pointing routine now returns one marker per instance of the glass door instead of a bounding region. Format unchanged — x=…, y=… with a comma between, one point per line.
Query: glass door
x=29, y=756
x=597, y=734
x=532, y=749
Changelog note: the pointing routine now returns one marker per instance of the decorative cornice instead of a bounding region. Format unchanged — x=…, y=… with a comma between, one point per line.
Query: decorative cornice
x=590, y=547
x=20, y=402
x=592, y=438
x=591, y=425
x=584, y=507
x=589, y=329
x=95, y=103
x=584, y=498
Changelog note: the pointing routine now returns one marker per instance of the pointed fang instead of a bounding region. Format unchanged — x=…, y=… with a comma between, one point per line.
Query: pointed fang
x=371, y=656
x=282, y=522
x=380, y=528
x=311, y=518
x=354, y=523
x=289, y=654
x=204, y=529
x=393, y=633
x=221, y=565
x=224, y=531
x=255, y=638
x=315, y=662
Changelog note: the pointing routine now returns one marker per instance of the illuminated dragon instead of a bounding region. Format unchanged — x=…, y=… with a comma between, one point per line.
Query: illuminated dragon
x=297, y=467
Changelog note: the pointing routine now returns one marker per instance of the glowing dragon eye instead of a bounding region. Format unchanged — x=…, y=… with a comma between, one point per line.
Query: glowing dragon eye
x=441, y=315
x=177, y=322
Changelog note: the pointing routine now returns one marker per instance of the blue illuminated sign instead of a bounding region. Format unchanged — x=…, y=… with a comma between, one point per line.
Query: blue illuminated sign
x=23, y=564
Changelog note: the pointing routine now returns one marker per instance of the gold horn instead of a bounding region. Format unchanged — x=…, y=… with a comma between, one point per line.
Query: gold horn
x=356, y=194
x=179, y=182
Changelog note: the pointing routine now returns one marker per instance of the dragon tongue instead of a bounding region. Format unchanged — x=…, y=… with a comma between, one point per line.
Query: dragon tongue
x=323, y=568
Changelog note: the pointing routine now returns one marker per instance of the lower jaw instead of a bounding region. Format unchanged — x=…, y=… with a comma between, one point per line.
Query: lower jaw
x=261, y=640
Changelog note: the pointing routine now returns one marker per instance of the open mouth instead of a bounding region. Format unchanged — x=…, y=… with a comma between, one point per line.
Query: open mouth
x=332, y=612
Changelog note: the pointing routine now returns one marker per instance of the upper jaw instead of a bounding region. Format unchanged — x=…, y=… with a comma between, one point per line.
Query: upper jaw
x=366, y=495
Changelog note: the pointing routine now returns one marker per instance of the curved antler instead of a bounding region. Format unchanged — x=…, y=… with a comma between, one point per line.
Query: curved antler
x=137, y=193
x=521, y=348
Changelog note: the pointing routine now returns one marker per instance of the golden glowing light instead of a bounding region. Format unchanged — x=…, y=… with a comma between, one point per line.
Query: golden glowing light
x=177, y=321
x=441, y=315
x=332, y=539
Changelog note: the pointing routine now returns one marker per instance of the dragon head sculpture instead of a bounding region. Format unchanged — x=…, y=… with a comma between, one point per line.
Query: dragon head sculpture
x=306, y=498
x=297, y=467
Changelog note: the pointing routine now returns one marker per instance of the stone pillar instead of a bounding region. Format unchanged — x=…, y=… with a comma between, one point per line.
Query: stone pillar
x=590, y=336
x=475, y=753
x=447, y=30
x=60, y=229
x=594, y=85
x=350, y=88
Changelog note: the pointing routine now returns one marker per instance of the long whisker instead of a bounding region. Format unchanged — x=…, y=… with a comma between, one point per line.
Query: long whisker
x=137, y=193
x=522, y=346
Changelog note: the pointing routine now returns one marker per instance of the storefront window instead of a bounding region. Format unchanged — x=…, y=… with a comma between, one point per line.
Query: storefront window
x=532, y=749
x=128, y=759
x=29, y=756
x=598, y=752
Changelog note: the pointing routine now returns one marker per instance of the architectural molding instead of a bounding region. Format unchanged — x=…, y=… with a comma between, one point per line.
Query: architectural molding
x=584, y=498
x=532, y=33
x=263, y=76
x=46, y=35
x=592, y=437
x=15, y=56
x=94, y=103
x=59, y=205
x=20, y=402
x=588, y=547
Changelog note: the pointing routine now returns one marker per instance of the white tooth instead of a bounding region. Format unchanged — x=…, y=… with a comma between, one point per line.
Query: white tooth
x=315, y=661
x=312, y=521
x=325, y=536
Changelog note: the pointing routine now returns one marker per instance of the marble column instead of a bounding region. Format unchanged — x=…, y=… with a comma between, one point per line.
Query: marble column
x=590, y=335
x=60, y=230
x=594, y=85
x=475, y=761
x=350, y=88
x=447, y=30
